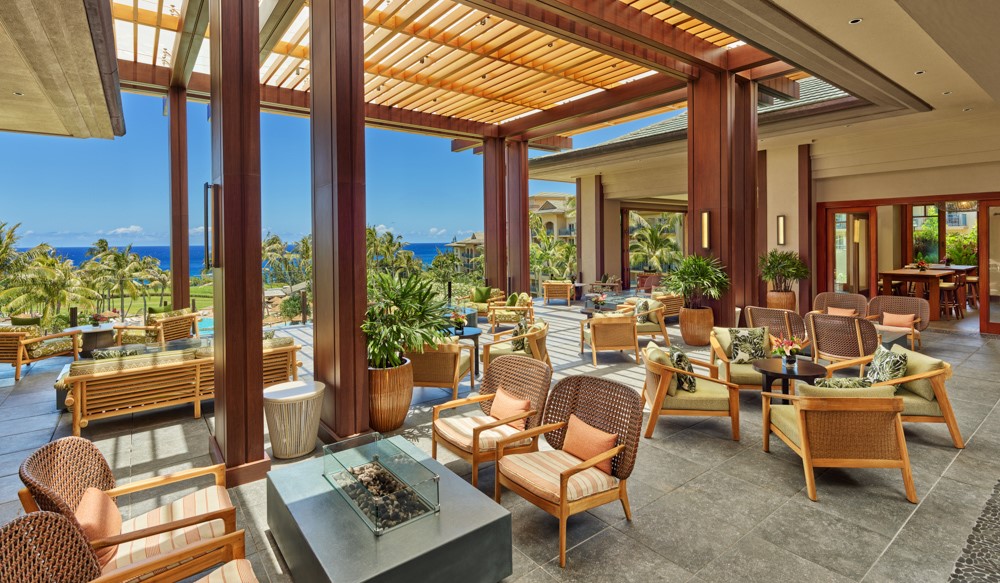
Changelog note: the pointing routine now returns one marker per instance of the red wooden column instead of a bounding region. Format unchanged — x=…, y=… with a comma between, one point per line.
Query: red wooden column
x=338, y=195
x=235, y=85
x=518, y=232
x=807, y=226
x=722, y=159
x=495, y=212
x=180, y=252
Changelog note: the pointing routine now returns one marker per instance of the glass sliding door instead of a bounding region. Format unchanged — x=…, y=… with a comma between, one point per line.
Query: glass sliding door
x=853, y=253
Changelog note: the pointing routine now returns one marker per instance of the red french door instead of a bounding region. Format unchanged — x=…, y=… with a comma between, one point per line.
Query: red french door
x=989, y=267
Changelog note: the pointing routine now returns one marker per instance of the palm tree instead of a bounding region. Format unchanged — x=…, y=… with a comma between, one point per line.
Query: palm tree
x=655, y=244
x=13, y=261
x=160, y=278
x=302, y=249
x=117, y=269
x=51, y=282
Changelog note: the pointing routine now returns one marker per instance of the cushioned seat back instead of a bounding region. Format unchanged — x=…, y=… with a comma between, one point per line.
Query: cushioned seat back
x=523, y=378
x=10, y=340
x=919, y=307
x=539, y=331
x=842, y=337
x=726, y=340
x=59, y=472
x=88, y=367
x=856, y=302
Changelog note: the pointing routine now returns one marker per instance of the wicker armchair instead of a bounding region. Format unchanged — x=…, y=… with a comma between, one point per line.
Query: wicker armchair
x=43, y=547
x=825, y=300
x=836, y=338
x=534, y=344
x=780, y=323
x=443, y=365
x=160, y=328
x=918, y=307
x=558, y=290
x=501, y=313
x=611, y=332
x=57, y=475
x=560, y=483
x=24, y=345
x=474, y=438
x=712, y=397
x=656, y=320
x=922, y=388
x=741, y=374
x=841, y=428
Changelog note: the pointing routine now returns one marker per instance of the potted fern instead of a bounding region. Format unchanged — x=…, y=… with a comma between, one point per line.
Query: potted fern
x=403, y=315
x=698, y=279
x=781, y=269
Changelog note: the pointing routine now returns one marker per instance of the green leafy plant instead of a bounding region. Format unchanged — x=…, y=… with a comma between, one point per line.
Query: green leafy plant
x=698, y=279
x=292, y=307
x=781, y=268
x=404, y=314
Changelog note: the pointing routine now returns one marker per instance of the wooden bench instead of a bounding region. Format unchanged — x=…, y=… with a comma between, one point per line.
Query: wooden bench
x=172, y=378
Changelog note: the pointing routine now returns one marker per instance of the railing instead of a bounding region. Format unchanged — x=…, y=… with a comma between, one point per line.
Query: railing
x=567, y=232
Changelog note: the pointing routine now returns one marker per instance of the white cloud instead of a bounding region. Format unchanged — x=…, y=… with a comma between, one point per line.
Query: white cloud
x=380, y=229
x=464, y=232
x=129, y=230
x=435, y=231
x=196, y=230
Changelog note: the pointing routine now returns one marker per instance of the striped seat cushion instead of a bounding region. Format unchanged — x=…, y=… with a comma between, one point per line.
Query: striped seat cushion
x=200, y=502
x=238, y=571
x=458, y=430
x=538, y=472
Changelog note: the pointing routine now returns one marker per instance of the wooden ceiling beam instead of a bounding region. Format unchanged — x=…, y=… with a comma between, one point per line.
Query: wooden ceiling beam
x=276, y=17
x=610, y=115
x=529, y=13
x=461, y=145
x=541, y=123
x=779, y=88
x=552, y=143
x=192, y=27
x=769, y=71
x=746, y=57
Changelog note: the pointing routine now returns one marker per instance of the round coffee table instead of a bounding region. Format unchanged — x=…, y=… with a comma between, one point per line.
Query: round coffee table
x=470, y=333
x=774, y=368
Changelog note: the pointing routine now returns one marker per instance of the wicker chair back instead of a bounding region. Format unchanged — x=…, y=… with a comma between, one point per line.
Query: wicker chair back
x=42, y=547
x=781, y=323
x=856, y=302
x=842, y=337
x=901, y=305
x=521, y=376
x=59, y=472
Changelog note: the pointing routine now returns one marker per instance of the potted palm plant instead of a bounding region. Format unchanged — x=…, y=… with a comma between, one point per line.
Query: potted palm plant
x=780, y=269
x=403, y=315
x=698, y=279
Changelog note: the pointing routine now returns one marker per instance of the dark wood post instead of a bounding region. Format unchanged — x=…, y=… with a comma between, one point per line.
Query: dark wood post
x=806, y=226
x=74, y=316
x=180, y=252
x=518, y=231
x=338, y=195
x=235, y=86
x=495, y=212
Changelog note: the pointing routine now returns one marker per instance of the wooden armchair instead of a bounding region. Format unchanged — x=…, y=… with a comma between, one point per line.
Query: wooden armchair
x=160, y=328
x=779, y=323
x=59, y=473
x=24, y=345
x=501, y=313
x=656, y=320
x=561, y=483
x=712, y=397
x=534, y=344
x=42, y=547
x=672, y=303
x=558, y=290
x=443, y=365
x=841, y=428
x=741, y=374
x=922, y=389
x=882, y=310
x=612, y=284
x=826, y=300
x=495, y=296
x=837, y=338
x=611, y=332
x=474, y=438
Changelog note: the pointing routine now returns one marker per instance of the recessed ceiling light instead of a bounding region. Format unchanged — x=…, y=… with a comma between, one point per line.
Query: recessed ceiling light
x=946, y=93
x=966, y=109
x=19, y=94
x=920, y=72
x=854, y=21
x=847, y=126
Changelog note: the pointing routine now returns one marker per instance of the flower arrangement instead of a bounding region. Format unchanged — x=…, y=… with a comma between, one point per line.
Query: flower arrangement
x=599, y=300
x=458, y=319
x=786, y=346
x=921, y=263
x=97, y=319
x=946, y=260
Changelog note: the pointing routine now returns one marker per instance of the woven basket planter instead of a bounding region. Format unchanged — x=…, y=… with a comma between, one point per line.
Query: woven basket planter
x=696, y=325
x=781, y=300
x=389, y=393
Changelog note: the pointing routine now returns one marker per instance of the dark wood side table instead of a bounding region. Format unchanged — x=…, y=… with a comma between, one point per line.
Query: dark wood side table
x=94, y=337
x=774, y=368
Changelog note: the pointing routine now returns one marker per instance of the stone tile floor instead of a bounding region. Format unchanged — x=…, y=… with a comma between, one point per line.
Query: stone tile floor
x=705, y=508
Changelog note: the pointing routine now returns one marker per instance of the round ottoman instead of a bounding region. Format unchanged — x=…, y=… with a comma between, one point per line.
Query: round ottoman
x=292, y=411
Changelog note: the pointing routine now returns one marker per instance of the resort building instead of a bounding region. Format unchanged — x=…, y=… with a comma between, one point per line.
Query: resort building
x=802, y=385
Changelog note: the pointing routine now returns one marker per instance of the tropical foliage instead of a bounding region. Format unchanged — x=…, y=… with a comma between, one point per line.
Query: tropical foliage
x=654, y=244
x=781, y=269
x=548, y=254
x=698, y=279
x=403, y=314
x=286, y=264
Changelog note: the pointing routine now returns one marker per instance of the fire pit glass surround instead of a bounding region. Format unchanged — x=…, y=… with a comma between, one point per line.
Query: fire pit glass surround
x=386, y=486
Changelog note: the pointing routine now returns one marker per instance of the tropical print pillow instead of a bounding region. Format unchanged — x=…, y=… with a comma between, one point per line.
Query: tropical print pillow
x=843, y=383
x=885, y=366
x=100, y=354
x=520, y=330
x=748, y=344
x=641, y=307
x=680, y=361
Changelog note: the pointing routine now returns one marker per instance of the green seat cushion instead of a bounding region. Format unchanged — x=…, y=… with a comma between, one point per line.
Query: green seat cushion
x=50, y=347
x=707, y=396
x=886, y=365
x=914, y=404
x=139, y=337
x=917, y=363
x=278, y=342
x=464, y=363
x=507, y=316
x=744, y=374
x=523, y=300
x=155, y=316
x=648, y=328
x=512, y=300
x=32, y=330
x=805, y=390
x=843, y=383
x=120, y=352
x=15, y=321
x=784, y=418
x=159, y=310
x=502, y=348
x=481, y=295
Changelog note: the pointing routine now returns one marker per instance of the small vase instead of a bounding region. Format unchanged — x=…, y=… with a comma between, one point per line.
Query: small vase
x=459, y=329
x=790, y=361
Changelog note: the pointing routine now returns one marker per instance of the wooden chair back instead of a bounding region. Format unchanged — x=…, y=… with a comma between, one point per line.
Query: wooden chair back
x=841, y=337
x=781, y=323
x=851, y=429
x=605, y=404
x=522, y=377
x=919, y=307
x=178, y=327
x=856, y=302
x=672, y=304
x=436, y=365
x=58, y=473
x=10, y=346
x=41, y=547
x=613, y=333
x=537, y=341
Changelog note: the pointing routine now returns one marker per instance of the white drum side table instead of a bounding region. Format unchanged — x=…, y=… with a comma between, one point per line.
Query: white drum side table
x=292, y=411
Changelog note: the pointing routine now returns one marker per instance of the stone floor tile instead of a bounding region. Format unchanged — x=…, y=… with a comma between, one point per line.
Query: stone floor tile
x=698, y=447
x=612, y=556
x=536, y=532
x=753, y=559
x=664, y=470
x=906, y=563
x=766, y=470
x=27, y=440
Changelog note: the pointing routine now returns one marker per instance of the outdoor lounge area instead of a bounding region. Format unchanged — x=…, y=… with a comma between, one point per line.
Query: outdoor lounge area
x=721, y=301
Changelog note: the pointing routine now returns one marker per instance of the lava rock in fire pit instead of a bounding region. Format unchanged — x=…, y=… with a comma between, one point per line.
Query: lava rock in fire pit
x=385, y=500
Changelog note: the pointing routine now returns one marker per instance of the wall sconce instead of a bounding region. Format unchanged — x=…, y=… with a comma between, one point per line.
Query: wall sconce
x=857, y=230
x=781, y=229
x=705, y=238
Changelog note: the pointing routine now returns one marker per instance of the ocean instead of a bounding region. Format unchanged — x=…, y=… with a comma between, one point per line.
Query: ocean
x=424, y=251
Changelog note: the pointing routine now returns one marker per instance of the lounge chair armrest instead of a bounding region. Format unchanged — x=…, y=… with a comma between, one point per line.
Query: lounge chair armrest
x=874, y=317
x=234, y=544
x=713, y=369
x=118, y=539
x=769, y=395
x=218, y=470
x=586, y=465
x=911, y=378
x=830, y=368
x=548, y=428
x=133, y=327
x=48, y=337
x=456, y=403
x=481, y=428
x=666, y=368
x=717, y=351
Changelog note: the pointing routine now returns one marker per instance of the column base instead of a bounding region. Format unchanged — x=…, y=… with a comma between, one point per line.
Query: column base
x=241, y=474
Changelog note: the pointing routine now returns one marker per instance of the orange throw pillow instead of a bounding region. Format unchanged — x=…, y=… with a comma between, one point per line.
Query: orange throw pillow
x=898, y=320
x=99, y=516
x=841, y=312
x=585, y=441
x=506, y=405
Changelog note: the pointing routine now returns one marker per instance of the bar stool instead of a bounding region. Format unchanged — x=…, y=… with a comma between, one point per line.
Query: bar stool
x=972, y=291
x=949, y=301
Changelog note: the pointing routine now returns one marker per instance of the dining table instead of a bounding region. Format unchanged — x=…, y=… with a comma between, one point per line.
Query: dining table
x=963, y=271
x=930, y=279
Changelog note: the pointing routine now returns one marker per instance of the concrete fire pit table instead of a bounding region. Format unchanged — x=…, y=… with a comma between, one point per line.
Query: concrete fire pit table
x=323, y=539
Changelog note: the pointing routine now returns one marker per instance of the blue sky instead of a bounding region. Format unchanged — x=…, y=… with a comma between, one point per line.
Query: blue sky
x=70, y=192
